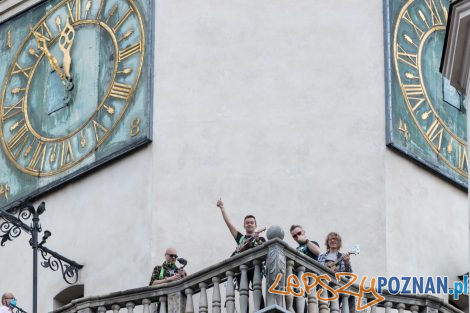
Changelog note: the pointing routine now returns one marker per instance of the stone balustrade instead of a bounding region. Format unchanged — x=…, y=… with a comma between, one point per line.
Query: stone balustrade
x=213, y=289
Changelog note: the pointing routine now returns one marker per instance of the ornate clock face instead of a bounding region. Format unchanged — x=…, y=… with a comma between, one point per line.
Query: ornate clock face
x=426, y=116
x=74, y=88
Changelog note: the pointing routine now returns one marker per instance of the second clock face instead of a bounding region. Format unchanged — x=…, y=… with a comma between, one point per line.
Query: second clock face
x=426, y=116
x=75, y=84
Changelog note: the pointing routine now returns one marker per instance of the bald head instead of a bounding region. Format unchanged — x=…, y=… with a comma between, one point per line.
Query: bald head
x=171, y=255
x=6, y=298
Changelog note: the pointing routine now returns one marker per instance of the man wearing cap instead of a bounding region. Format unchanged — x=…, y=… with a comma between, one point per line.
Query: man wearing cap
x=168, y=271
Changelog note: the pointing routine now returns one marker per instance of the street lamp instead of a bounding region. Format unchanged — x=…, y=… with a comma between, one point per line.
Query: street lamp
x=13, y=225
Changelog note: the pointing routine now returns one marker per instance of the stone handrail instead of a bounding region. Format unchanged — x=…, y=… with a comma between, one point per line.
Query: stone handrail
x=279, y=258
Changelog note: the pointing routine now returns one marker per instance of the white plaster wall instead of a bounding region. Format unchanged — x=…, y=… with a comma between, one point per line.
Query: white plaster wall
x=427, y=225
x=278, y=108
x=100, y=221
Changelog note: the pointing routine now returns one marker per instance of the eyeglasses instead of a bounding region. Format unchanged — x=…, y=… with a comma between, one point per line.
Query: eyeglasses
x=172, y=255
x=297, y=235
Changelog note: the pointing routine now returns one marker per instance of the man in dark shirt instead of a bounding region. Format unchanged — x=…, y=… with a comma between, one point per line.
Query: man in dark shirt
x=251, y=238
x=306, y=246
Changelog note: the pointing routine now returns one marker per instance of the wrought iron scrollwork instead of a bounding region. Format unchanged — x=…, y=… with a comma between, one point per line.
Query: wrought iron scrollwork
x=54, y=261
x=22, y=212
x=9, y=232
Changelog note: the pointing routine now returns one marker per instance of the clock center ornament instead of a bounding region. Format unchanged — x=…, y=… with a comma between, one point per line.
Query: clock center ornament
x=75, y=79
x=426, y=117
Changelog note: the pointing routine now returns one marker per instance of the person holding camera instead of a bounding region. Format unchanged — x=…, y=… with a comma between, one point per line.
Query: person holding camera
x=168, y=271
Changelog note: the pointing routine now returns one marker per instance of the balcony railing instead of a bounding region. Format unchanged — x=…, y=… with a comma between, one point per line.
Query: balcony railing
x=214, y=290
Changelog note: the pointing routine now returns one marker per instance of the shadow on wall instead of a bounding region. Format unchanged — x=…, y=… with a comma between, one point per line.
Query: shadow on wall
x=67, y=295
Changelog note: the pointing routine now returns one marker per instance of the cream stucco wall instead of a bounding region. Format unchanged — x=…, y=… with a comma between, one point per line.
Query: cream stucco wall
x=259, y=104
x=277, y=107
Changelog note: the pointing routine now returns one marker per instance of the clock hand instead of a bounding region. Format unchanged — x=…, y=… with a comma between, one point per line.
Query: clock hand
x=42, y=45
x=65, y=44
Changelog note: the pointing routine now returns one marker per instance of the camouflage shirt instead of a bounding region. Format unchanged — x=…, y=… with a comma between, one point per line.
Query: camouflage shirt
x=161, y=271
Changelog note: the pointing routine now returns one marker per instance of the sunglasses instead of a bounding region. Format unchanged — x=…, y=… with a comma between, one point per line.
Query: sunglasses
x=297, y=235
x=172, y=255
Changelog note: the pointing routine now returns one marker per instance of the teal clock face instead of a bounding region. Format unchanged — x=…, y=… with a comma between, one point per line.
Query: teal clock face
x=75, y=90
x=426, y=117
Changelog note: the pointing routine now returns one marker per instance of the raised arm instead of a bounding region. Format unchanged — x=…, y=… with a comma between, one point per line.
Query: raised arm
x=231, y=227
x=313, y=248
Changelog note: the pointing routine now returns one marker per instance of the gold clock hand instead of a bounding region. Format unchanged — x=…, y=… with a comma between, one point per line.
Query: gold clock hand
x=65, y=44
x=42, y=45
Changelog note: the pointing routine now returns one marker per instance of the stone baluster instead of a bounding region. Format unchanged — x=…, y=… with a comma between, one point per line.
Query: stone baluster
x=101, y=309
x=153, y=308
x=312, y=304
x=334, y=306
x=289, y=297
x=189, y=300
x=257, y=293
x=345, y=303
x=413, y=309
x=323, y=305
x=401, y=307
x=203, y=306
x=130, y=307
x=115, y=308
x=300, y=301
x=216, y=300
x=243, y=290
x=162, y=301
x=388, y=307
x=146, y=305
x=230, y=293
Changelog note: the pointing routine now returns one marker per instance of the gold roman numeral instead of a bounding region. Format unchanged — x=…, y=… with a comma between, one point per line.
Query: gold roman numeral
x=135, y=48
x=44, y=32
x=412, y=89
x=408, y=58
x=13, y=110
x=67, y=153
x=97, y=127
x=74, y=5
x=17, y=138
x=462, y=158
x=120, y=91
x=435, y=131
x=122, y=19
x=414, y=94
x=39, y=154
x=419, y=31
x=435, y=13
x=18, y=69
